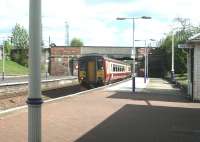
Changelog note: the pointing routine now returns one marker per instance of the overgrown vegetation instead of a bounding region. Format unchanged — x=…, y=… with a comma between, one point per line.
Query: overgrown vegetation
x=181, y=34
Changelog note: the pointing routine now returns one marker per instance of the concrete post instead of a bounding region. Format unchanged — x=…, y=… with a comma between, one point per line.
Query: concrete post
x=34, y=100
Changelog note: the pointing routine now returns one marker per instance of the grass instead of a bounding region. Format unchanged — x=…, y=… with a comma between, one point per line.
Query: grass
x=182, y=79
x=13, y=68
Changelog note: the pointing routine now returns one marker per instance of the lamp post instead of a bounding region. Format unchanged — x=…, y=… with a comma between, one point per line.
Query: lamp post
x=34, y=99
x=3, y=58
x=46, y=57
x=3, y=55
x=172, y=65
x=133, y=49
x=67, y=33
x=3, y=62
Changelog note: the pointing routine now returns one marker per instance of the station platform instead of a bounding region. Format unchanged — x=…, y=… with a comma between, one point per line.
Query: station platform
x=156, y=112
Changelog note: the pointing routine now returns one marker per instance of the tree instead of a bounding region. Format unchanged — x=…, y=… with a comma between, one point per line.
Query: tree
x=76, y=42
x=20, y=37
x=20, y=40
x=7, y=48
x=182, y=33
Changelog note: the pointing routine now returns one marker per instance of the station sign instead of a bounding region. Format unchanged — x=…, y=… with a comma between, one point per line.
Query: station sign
x=182, y=46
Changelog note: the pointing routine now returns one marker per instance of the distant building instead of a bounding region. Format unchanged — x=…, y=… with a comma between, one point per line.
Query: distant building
x=63, y=59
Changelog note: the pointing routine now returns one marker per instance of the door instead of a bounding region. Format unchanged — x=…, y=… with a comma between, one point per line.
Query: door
x=91, y=71
x=192, y=71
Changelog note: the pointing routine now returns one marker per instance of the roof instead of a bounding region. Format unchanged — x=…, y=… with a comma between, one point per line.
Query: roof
x=195, y=37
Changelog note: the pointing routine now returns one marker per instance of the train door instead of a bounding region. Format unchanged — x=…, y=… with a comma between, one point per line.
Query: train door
x=92, y=71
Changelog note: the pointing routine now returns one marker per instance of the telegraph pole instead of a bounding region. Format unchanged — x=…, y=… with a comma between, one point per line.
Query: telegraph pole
x=67, y=34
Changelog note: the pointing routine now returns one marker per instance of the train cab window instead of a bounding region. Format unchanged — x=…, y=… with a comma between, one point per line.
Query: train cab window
x=82, y=65
x=99, y=64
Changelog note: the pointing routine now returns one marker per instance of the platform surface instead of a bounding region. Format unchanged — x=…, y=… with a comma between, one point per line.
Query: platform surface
x=158, y=113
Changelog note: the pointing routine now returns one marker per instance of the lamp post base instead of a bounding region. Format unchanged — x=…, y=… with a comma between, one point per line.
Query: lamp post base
x=3, y=75
x=145, y=79
x=173, y=80
x=46, y=75
x=133, y=84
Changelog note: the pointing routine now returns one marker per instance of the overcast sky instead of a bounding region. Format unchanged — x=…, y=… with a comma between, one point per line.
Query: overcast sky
x=94, y=21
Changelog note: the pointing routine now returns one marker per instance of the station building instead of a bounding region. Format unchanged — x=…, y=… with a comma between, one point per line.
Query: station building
x=193, y=66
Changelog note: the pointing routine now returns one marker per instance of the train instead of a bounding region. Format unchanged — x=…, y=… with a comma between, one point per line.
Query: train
x=97, y=70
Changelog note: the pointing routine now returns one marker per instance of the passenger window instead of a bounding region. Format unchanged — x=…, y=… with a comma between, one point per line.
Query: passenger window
x=114, y=68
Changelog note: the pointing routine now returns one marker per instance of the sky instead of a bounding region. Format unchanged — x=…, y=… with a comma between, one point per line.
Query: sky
x=94, y=21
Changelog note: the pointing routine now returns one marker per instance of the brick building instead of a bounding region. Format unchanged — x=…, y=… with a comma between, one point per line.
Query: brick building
x=63, y=60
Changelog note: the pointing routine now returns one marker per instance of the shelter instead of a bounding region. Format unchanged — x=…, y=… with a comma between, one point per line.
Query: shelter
x=193, y=66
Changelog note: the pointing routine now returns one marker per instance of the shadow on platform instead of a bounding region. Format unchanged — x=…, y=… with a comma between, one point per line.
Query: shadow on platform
x=60, y=92
x=134, y=123
x=146, y=122
x=151, y=96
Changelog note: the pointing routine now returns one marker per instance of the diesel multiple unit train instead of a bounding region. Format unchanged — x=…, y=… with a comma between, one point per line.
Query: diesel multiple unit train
x=97, y=70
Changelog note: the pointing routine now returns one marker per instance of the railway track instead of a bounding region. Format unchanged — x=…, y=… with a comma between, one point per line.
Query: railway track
x=11, y=100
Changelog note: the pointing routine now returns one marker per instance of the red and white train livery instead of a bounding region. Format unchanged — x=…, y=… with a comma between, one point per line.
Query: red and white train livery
x=97, y=70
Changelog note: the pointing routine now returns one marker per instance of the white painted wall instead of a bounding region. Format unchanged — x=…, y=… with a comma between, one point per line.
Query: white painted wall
x=196, y=82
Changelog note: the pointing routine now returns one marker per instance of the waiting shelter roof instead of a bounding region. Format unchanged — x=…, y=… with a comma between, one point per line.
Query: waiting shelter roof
x=194, y=38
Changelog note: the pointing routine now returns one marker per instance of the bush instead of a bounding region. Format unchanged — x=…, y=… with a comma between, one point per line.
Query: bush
x=20, y=56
